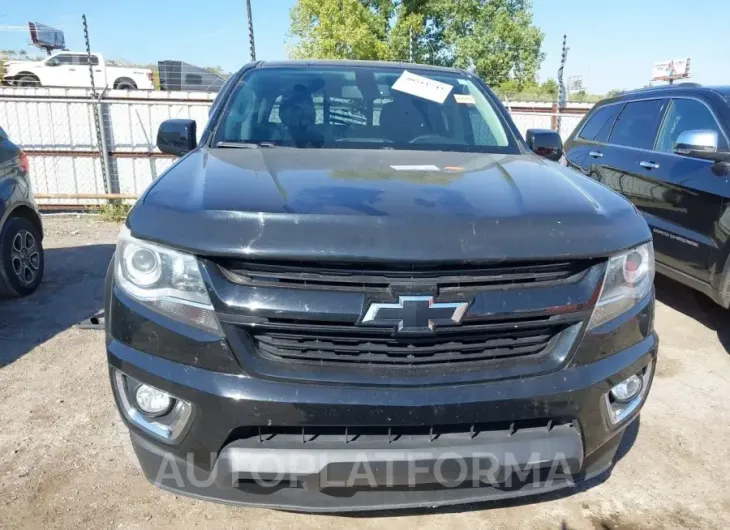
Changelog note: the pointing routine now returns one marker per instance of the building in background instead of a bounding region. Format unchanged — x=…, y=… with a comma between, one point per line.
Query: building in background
x=177, y=75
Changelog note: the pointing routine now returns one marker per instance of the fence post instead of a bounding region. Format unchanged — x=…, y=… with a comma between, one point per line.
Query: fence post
x=103, y=127
x=96, y=102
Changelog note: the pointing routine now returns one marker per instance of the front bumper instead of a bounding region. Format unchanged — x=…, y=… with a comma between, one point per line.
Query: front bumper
x=563, y=432
x=341, y=481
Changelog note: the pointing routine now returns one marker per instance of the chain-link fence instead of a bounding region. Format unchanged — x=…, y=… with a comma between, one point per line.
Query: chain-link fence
x=58, y=136
x=56, y=128
x=540, y=115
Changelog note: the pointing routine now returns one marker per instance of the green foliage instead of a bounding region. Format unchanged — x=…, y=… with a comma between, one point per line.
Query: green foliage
x=547, y=91
x=614, y=92
x=550, y=87
x=337, y=29
x=513, y=89
x=156, y=78
x=495, y=38
x=115, y=211
x=216, y=70
x=18, y=55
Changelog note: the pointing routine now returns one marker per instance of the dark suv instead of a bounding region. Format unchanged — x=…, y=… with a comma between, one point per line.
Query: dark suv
x=361, y=289
x=21, y=231
x=666, y=150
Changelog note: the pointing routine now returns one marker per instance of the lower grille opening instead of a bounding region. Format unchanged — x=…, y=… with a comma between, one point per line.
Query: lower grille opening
x=411, y=434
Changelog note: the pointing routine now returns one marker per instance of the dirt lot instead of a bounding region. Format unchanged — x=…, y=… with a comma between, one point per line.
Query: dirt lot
x=64, y=459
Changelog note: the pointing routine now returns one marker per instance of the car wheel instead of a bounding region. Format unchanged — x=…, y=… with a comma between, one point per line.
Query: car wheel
x=28, y=81
x=125, y=84
x=21, y=258
x=722, y=294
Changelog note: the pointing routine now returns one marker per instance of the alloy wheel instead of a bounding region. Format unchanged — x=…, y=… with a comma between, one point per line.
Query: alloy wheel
x=25, y=257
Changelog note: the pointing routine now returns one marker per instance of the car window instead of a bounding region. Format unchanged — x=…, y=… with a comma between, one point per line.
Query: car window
x=221, y=94
x=686, y=115
x=84, y=60
x=357, y=107
x=61, y=59
x=599, y=124
x=637, y=123
x=193, y=79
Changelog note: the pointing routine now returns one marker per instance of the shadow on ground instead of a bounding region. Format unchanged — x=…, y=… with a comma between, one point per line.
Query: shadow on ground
x=72, y=291
x=695, y=305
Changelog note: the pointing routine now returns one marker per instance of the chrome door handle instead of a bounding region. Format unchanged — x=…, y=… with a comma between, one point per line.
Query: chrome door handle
x=649, y=165
x=596, y=154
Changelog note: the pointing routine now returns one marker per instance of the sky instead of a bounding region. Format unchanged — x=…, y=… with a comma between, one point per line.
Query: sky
x=612, y=43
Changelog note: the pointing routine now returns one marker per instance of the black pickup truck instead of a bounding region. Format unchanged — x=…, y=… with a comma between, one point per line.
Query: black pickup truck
x=360, y=288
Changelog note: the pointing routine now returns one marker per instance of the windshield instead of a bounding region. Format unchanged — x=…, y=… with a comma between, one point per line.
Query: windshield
x=363, y=108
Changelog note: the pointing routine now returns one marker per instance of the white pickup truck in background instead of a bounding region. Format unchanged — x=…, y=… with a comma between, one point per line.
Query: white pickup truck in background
x=71, y=69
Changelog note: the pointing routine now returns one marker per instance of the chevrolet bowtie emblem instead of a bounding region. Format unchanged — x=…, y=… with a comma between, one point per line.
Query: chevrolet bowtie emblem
x=415, y=314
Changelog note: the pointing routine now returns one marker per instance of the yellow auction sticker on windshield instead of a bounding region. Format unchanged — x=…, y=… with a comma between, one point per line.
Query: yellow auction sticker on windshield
x=467, y=99
x=422, y=87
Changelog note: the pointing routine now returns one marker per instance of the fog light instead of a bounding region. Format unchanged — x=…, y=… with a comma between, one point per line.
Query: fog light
x=158, y=413
x=627, y=390
x=152, y=401
x=624, y=399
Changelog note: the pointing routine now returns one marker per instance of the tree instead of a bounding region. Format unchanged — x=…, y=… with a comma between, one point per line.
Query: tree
x=337, y=29
x=494, y=38
x=614, y=92
x=215, y=70
x=550, y=87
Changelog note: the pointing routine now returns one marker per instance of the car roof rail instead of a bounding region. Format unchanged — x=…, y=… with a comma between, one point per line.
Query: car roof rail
x=661, y=87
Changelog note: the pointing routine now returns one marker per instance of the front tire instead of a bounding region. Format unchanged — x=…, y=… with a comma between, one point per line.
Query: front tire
x=28, y=81
x=21, y=258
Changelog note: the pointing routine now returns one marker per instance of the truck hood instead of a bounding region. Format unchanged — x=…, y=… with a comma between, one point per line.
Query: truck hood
x=382, y=205
x=20, y=65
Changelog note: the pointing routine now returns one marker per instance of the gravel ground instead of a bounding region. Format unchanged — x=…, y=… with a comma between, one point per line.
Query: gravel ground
x=65, y=458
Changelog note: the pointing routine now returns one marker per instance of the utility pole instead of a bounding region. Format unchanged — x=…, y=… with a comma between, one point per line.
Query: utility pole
x=98, y=116
x=410, y=45
x=561, y=86
x=251, y=44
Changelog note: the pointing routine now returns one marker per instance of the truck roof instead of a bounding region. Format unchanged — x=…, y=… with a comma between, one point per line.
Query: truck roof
x=387, y=64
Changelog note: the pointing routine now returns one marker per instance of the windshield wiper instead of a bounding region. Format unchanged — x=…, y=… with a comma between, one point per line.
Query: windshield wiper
x=245, y=145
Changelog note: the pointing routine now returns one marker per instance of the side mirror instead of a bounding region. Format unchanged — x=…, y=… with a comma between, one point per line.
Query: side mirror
x=545, y=143
x=177, y=137
x=699, y=143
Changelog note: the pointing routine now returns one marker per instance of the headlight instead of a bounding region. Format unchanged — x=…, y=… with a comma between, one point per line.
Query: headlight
x=165, y=280
x=629, y=278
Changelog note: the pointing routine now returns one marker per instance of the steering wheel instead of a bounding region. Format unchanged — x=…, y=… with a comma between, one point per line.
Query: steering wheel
x=431, y=139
